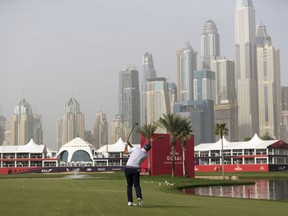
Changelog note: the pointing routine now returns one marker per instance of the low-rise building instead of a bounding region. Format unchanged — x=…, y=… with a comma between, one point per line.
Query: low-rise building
x=253, y=155
x=14, y=159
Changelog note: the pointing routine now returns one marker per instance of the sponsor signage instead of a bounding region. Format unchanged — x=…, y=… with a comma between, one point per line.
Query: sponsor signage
x=233, y=168
x=161, y=157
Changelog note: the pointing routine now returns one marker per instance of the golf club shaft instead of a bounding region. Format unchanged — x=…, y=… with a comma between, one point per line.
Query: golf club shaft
x=131, y=131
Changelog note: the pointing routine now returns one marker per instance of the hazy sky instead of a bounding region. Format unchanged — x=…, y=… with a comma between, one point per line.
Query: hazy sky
x=52, y=50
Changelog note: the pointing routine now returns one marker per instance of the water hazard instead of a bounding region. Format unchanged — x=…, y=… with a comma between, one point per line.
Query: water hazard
x=263, y=189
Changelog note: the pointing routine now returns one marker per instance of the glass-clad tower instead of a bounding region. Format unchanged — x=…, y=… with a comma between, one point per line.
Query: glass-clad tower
x=186, y=64
x=204, y=85
x=129, y=101
x=225, y=109
x=149, y=72
x=225, y=80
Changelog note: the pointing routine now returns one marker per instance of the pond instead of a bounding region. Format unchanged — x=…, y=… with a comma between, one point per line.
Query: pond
x=263, y=189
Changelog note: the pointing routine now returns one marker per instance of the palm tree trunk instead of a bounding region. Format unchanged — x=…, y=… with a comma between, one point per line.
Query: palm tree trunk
x=173, y=160
x=149, y=166
x=222, y=154
x=183, y=162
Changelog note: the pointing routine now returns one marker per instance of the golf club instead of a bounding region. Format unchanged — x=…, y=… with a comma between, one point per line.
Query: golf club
x=131, y=130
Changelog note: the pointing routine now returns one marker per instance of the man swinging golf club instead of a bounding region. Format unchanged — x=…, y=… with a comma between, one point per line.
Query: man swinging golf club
x=132, y=172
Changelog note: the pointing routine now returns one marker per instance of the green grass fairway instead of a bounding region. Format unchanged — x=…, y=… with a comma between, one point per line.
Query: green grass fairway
x=105, y=194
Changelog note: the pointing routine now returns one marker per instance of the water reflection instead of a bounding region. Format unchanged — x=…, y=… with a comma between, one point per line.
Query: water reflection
x=263, y=189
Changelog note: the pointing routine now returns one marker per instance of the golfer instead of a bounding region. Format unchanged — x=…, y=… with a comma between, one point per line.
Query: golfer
x=132, y=172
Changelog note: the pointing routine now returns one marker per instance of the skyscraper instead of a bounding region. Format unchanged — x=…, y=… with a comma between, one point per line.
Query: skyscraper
x=72, y=124
x=2, y=128
x=225, y=102
x=284, y=104
x=148, y=66
x=37, y=129
x=186, y=64
x=100, y=130
x=201, y=114
x=129, y=101
x=224, y=80
x=284, y=109
x=157, y=100
x=269, y=85
x=204, y=85
x=24, y=125
x=172, y=95
x=247, y=83
x=149, y=72
x=116, y=129
x=210, y=45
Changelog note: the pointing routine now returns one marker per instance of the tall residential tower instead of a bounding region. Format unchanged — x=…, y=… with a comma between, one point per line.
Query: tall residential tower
x=186, y=65
x=210, y=45
x=25, y=125
x=100, y=130
x=157, y=100
x=204, y=85
x=72, y=124
x=269, y=85
x=225, y=103
x=247, y=84
x=284, y=109
x=149, y=72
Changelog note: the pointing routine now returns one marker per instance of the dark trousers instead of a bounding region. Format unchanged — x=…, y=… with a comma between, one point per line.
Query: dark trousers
x=133, y=178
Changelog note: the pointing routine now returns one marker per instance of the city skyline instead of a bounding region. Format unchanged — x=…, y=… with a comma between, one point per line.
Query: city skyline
x=54, y=50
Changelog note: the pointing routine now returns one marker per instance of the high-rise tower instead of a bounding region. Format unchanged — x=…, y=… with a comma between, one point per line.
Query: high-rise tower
x=129, y=101
x=2, y=128
x=148, y=66
x=225, y=80
x=247, y=84
x=100, y=130
x=210, y=45
x=225, y=103
x=72, y=124
x=25, y=125
x=157, y=100
x=284, y=109
x=204, y=85
x=269, y=85
x=186, y=64
x=149, y=72
x=116, y=129
x=172, y=95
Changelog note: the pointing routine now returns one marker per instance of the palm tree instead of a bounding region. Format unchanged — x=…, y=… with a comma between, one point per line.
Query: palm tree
x=148, y=130
x=266, y=136
x=221, y=130
x=247, y=139
x=185, y=133
x=172, y=124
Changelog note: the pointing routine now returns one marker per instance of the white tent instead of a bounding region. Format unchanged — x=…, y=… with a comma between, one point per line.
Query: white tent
x=254, y=143
x=30, y=147
x=116, y=147
x=75, y=145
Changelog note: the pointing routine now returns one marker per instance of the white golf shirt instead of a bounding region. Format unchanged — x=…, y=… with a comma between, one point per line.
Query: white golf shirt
x=137, y=156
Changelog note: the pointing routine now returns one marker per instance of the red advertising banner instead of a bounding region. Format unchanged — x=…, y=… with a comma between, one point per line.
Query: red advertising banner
x=233, y=168
x=161, y=157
